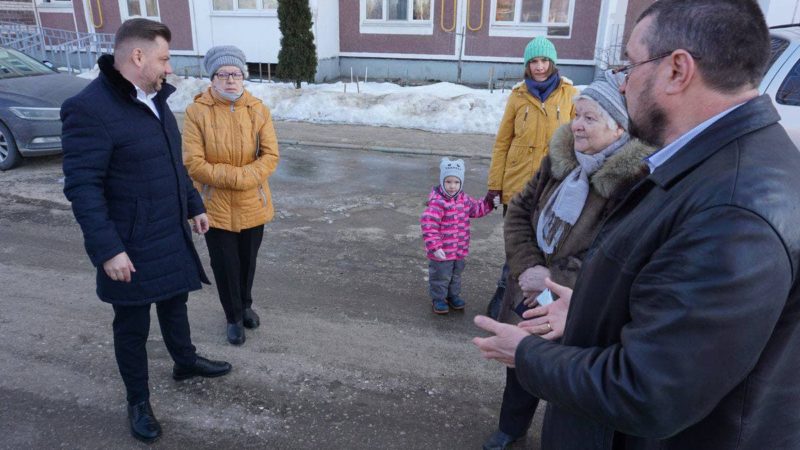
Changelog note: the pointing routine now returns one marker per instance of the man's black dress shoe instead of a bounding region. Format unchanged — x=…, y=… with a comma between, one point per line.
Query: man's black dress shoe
x=202, y=368
x=251, y=319
x=499, y=441
x=144, y=425
x=235, y=332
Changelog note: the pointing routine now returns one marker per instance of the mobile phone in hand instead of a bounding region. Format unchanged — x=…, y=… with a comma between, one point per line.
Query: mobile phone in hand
x=545, y=297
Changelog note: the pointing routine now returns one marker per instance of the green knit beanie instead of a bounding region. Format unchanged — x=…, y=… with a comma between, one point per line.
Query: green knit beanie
x=540, y=47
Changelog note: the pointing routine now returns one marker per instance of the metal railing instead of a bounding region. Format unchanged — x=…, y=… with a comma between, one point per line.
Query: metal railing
x=71, y=50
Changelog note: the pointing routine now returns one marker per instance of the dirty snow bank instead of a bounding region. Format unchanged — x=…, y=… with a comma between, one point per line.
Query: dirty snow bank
x=439, y=107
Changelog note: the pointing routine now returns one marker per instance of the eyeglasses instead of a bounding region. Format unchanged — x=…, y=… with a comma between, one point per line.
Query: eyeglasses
x=626, y=70
x=229, y=75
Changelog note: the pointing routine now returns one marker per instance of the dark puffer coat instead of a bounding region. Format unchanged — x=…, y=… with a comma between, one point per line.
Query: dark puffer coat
x=129, y=190
x=608, y=186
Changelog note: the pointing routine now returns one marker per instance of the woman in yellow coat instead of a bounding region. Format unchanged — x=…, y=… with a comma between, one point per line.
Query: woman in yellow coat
x=536, y=107
x=230, y=150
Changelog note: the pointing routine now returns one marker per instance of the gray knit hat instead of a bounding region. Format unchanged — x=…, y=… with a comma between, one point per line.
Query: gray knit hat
x=605, y=91
x=224, y=55
x=451, y=168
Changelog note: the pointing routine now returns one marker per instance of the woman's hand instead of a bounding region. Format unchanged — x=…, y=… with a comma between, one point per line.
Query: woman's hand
x=532, y=282
x=549, y=321
x=494, y=193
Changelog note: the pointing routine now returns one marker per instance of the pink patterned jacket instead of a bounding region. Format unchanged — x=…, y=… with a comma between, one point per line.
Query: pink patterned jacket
x=445, y=223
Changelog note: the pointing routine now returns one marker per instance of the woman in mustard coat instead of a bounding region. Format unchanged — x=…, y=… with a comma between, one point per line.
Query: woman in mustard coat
x=536, y=107
x=230, y=150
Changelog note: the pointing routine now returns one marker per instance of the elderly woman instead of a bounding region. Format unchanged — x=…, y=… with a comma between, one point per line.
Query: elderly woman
x=591, y=165
x=230, y=150
x=536, y=107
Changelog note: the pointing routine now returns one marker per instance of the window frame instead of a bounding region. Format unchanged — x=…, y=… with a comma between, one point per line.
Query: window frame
x=516, y=28
x=386, y=26
x=125, y=13
x=261, y=12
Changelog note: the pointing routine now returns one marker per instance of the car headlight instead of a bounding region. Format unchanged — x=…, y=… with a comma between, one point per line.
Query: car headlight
x=28, y=113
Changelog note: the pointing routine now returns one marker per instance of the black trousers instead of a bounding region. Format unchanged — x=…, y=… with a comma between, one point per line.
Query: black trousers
x=519, y=406
x=132, y=326
x=233, y=260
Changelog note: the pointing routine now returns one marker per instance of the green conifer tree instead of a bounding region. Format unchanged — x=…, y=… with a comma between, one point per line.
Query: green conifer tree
x=297, y=60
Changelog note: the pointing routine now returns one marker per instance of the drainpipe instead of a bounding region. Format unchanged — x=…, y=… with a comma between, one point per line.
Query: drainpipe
x=36, y=15
x=87, y=17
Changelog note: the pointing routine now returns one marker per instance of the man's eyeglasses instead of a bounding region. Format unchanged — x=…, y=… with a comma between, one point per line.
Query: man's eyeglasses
x=229, y=75
x=626, y=70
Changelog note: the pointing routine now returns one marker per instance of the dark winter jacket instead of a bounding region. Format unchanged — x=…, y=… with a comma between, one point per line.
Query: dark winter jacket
x=608, y=186
x=129, y=190
x=684, y=327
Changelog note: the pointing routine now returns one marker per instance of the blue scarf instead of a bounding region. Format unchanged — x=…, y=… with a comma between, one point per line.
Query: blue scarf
x=543, y=89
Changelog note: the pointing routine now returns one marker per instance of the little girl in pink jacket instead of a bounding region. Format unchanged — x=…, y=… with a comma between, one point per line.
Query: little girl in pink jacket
x=445, y=230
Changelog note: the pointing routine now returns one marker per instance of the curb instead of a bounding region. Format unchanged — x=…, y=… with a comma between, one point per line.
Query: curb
x=398, y=150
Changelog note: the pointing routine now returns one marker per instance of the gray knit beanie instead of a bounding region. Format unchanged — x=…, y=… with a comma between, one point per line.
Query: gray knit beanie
x=451, y=168
x=605, y=91
x=224, y=55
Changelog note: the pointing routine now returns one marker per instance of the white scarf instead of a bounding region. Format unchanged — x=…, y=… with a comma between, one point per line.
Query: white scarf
x=566, y=203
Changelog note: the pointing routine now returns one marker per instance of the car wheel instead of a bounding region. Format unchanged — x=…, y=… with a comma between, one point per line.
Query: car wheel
x=9, y=155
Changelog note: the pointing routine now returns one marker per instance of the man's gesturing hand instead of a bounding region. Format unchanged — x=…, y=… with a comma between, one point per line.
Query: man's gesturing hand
x=503, y=345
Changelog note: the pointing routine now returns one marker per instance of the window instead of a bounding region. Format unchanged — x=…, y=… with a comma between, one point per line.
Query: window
x=549, y=17
x=777, y=47
x=244, y=5
x=141, y=8
x=396, y=17
x=398, y=10
x=789, y=92
x=14, y=64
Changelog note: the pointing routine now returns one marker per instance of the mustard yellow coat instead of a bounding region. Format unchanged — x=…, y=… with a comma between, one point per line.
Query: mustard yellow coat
x=230, y=150
x=525, y=131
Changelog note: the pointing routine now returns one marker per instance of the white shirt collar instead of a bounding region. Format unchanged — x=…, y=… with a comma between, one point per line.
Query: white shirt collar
x=147, y=99
x=660, y=157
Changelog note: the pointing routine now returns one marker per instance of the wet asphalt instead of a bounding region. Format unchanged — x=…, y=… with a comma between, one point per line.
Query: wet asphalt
x=348, y=354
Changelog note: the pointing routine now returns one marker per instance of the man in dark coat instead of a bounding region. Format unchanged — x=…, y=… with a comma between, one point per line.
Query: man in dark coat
x=133, y=199
x=684, y=326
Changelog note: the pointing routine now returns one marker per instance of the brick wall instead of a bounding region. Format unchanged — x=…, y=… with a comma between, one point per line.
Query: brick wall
x=25, y=17
x=19, y=11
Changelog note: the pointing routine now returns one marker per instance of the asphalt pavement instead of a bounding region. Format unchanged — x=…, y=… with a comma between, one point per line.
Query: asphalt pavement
x=382, y=139
x=349, y=354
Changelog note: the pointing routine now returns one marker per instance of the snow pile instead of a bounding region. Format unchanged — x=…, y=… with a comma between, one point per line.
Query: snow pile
x=440, y=107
